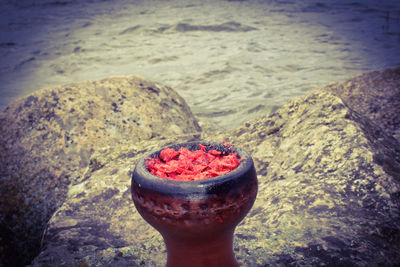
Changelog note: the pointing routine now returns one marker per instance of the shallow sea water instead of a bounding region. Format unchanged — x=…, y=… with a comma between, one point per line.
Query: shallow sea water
x=231, y=60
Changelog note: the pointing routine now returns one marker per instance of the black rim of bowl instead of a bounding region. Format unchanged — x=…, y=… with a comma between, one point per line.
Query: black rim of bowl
x=221, y=184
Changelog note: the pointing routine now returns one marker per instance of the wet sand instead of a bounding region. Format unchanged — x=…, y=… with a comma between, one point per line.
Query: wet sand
x=230, y=60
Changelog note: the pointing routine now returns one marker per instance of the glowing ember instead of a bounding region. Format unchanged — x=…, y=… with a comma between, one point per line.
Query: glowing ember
x=186, y=165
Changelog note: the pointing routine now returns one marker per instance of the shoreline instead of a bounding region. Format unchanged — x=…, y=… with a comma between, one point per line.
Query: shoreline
x=224, y=57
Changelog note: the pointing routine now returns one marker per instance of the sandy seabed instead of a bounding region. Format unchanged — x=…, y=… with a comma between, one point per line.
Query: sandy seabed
x=230, y=60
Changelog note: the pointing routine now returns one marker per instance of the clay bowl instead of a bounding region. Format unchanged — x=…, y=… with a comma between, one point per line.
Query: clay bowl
x=197, y=219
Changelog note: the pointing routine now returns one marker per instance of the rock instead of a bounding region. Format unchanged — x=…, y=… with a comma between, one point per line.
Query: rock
x=375, y=95
x=329, y=187
x=48, y=137
x=329, y=194
x=98, y=224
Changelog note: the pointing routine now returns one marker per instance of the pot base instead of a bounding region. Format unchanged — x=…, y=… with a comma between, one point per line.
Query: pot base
x=213, y=252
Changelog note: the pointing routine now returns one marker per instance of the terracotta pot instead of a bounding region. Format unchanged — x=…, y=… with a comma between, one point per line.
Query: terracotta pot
x=197, y=219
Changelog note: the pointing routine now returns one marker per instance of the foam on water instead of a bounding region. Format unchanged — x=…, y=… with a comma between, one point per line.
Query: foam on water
x=230, y=60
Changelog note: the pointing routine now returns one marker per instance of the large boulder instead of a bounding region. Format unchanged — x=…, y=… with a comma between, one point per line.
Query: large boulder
x=329, y=183
x=48, y=137
x=329, y=194
x=375, y=95
x=98, y=224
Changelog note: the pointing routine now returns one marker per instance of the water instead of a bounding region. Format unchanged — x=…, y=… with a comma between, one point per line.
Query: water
x=230, y=60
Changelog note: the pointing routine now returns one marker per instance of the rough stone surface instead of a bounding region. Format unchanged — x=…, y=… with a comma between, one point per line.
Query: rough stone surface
x=47, y=139
x=329, y=194
x=329, y=187
x=375, y=95
x=98, y=224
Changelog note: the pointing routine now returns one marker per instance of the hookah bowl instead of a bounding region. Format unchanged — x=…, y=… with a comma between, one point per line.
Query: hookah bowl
x=197, y=219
